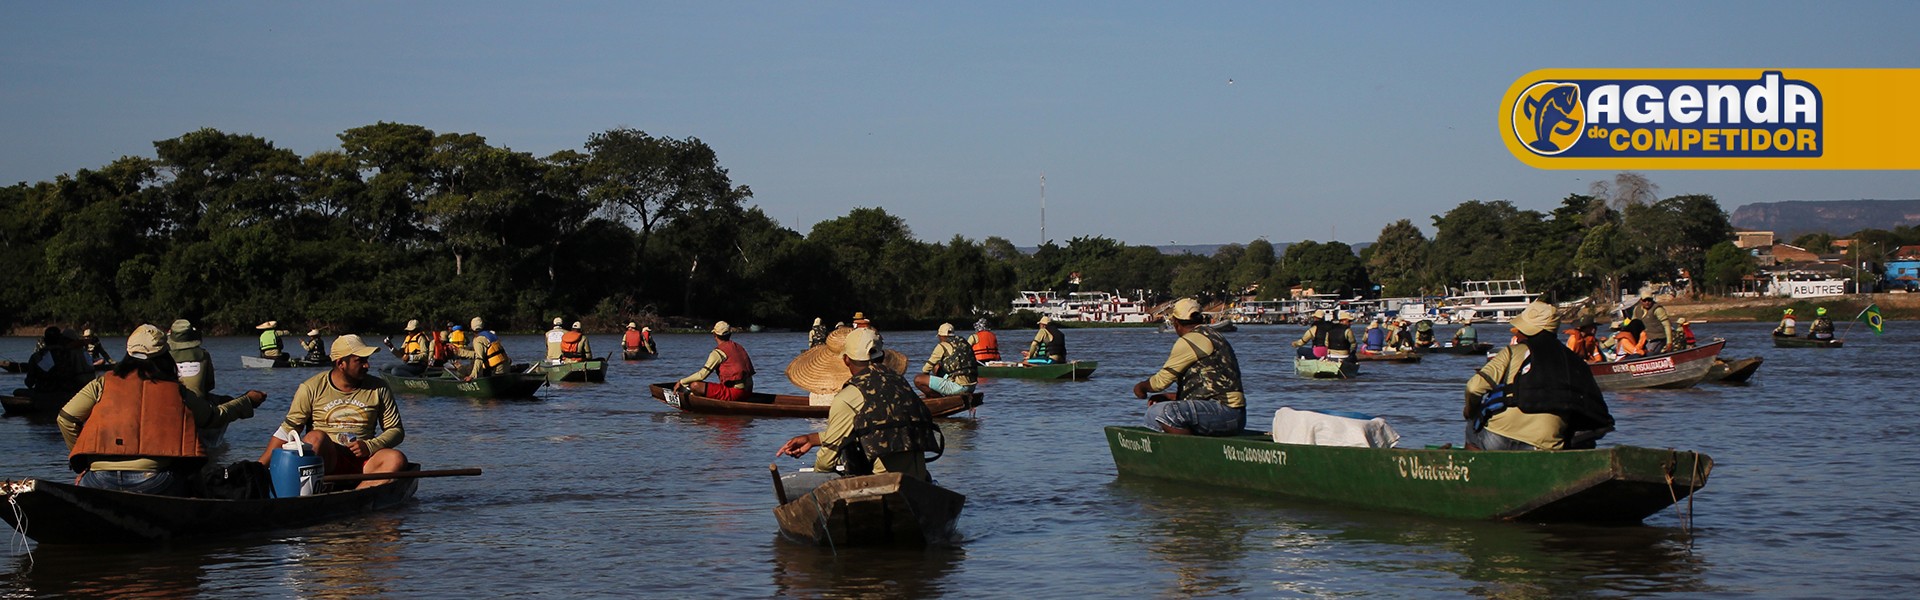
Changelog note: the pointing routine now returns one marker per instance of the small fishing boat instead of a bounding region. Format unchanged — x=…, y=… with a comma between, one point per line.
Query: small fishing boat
x=52, y=512
x=261, y=362
x=438, y=382
x=10, y=366
x=1315, y=368
x=641, y=354
x=1622, y=484
x=1405, y=356
x=1733, y=371
x=1479, y=349
x=1671, y=370
x=1787, y=341
x=1223, y=326
x=781, y=405
x=879, y=509
x=593, y=370
x=1078, y=370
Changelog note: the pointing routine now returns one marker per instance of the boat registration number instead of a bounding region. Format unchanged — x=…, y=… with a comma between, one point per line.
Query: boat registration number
x=672, y=397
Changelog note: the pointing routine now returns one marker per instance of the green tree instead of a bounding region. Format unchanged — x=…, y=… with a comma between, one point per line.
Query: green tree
x=1726, y=266
x=1397, y=259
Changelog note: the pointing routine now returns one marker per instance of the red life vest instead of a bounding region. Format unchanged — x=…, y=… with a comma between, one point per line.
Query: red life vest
x=737, y=367
x=632, y=340
x=986, y=346
x=136, y=418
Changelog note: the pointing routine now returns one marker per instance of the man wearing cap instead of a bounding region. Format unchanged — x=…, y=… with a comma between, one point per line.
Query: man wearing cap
x=1683, y=336
x=1822, y=328
x=489, y=357
x=574, y=346
x=1465, y=335
x=1785, y=328
x=816, y=335
x=347, y=415
x=875, y=424
x=191, y=362
x=1049, y=346
x=986, y=345
x=270, y=334
x=134, y=429
x=860, y=321
x=416, y=349
x=630, y=341
x=315, y=348
x=1534, y=395
x=1335, y=337
x=1376, y=337
x=950, y=369
x=730, y=361
x=1659, y=325
x=554, y=337
x=1210, y=400
x=96, y=354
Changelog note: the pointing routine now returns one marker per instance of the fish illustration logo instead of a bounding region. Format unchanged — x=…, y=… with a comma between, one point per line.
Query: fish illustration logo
x=1549, y=118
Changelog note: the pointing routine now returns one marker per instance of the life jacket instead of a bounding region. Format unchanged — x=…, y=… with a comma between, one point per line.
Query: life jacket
x=631, y=341
x=570, y=345
x=1822, y=328
x=1214, y=374
x=136, y=418
x=1552, y=380
x=457, y=337
x=312, y=347
x=554, y=338
x=892, y=420
x=1584, y=346
x=1466, y=335
x=986, y=346
x=1056, y=345
x=417, y=347
x=1328, y=335
x=1627, y=343
x=1785, y=327
x=737, y=367
x=959, y=362
x=269, y=343
x=494, y=357
x=816, y=336
x=1376, y=338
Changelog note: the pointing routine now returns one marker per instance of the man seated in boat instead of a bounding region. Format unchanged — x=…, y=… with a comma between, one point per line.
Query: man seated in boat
x=1535, y=395
x=1659, y=327
x=1465, y=335
x=1581, y=341
x=1629, y=337
x=1210, y=400
x=96, y=354
x=1049, y=345
x=986, y=345
x=1329, y=339
x=1423, y=334
x=315, y=348
x=554, y=336
x=574, y=346
x=730, y=361
x=1683, y=335
x=1822, y=328
x=59, y=367
x=817, y=334
x=416, y=350
x=133, y=429
x=1785, y=328
x=950, y=369
x=1309, y=345
x=488, y=355
x=270, y=343
x=191, y=362
x=347, y=415
x=1375, y=340
x=876, y=424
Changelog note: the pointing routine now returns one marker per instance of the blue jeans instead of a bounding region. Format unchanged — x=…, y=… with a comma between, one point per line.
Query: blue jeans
x=159, y=483
x=1488, y=440
x=1202, y=417
x=947, y=387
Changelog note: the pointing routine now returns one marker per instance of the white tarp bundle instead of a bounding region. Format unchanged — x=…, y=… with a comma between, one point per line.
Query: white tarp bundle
x=1319, y=429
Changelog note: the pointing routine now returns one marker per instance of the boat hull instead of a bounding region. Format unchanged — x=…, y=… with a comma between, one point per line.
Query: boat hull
x=589, y=371
x=881, y=509
x=1734, y=371
x=1078, y=370
x=59, y=513
x=1670, y=370
x=1782, y=341
x=1314, y=368
x=1479, y=349
x=260, y=362
x=1613, y=485
x=438, y=383
x=637, y=355
x=781, y=405
x=1392, y=357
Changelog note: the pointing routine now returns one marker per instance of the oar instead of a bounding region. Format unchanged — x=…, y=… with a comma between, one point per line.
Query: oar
x=400, y=475
x=779, y=489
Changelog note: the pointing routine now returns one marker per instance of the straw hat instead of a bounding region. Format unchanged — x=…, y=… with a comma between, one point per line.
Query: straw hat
x=313, y=332
x=267, y=325
x=820, y=371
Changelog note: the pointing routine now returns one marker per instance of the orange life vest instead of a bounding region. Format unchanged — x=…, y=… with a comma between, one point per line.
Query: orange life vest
x=570, y=345
x=632, y=340
x=986, y=346
x=737, y=367
x=136, y=418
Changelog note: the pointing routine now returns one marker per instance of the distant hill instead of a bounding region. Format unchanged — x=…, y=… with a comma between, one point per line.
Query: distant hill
x=1788, y=220
x=1209, y=249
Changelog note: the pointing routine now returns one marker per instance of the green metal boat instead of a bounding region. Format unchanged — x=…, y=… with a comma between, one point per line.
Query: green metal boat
x=437, y=382
x=1314, y=368
x=593, y=370
x=1622, y=484
x=1078, y=370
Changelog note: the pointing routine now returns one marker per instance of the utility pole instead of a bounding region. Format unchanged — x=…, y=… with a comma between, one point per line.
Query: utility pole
x=1043, y=208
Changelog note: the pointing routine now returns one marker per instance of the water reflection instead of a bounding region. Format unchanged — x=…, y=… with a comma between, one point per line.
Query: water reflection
x=801, y=570
x=357, y=561
x=108, y=572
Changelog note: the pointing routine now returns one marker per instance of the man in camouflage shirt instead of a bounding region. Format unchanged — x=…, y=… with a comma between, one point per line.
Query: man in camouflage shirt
x=876, y=423
x=1210, y=400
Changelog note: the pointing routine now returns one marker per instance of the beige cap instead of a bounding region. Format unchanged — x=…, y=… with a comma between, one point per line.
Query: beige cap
x=863, y=345
x=145, y=341
x=1681, y=320
x=349, y=344
x=1538, y=317
x=946, y=329
x=182, y=325
x=313, y=332
x=477, y=324
x=631, y=324
x=1045, y=320
x=1344, y=316
x=413, y=324
x=86, y=333
x=1186, y=309
x=558, y=322
x=576, y=324
x=722, y=328
x=816, y=321
x=267, y=325
x=646, y=330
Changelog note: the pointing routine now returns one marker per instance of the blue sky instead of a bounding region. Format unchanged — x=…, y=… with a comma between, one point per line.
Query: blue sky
x=1341, y=117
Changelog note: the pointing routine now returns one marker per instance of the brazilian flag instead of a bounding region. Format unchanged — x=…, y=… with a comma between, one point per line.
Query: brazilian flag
x=1871, y=316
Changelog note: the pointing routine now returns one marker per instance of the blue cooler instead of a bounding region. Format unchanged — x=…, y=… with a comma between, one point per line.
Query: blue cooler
x=296, y=470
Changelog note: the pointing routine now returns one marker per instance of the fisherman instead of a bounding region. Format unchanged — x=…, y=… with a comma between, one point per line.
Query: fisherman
x=270, y=334
x=134, y=429
x=191, y=362
x=728, y=360
x=416, y=350
x=453, y=341
x=875, y=423
x=315, y=348
x=1822, y=328
x=1335, y=337
x=1580, y=341
x=1466, y=336
x=489, y=357
x=554, y=337
x=1535, y=395
x=860, y=321
x=1049, y=345
x=1210, y=400
x=1785, y=328
x=1423, y=334
x=1658, y=325
x=59, y=367
x=1308, y=345
x=1375, y=338
x=1685, y=334
x=950, y=370
x=1629, y=339
x=630, y=346
x=96, y=355
x=1398, y=336
x=574, y=346
x=347, y=415
x=986, y=345
x=817, y=334
x=646, y=341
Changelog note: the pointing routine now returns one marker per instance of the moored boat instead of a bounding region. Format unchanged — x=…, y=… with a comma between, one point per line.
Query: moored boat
x=1077, y=370
x=1733, y=371
x=1315, y=368
x=1680, y=369
x=884, y=508
x=1407, y=356
x=1621, y=484
x=1787, y=341
x=261, y=362
x=51, y=512
x=437, y=382
x=782, y=405
x=593, y=370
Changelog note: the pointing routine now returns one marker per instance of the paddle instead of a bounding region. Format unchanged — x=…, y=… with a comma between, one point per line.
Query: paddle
x=779, y=489
x=399, y=475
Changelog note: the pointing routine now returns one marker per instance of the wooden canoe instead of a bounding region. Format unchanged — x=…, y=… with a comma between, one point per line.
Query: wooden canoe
x=1621, y=484
x=638, y=355
x=1733, y=371
x=1314, y=368
x=881, y=509
x=1408, y=356
x=261, y=362
x=1479, y=349
x=781, y=405
x=437, y=382
x=1787, y=341
x=1078, y=370
x=593, y=370
x=62, y=513
x=1670, y=370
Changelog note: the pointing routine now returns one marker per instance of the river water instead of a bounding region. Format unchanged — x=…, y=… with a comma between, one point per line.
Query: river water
x=598, y=490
